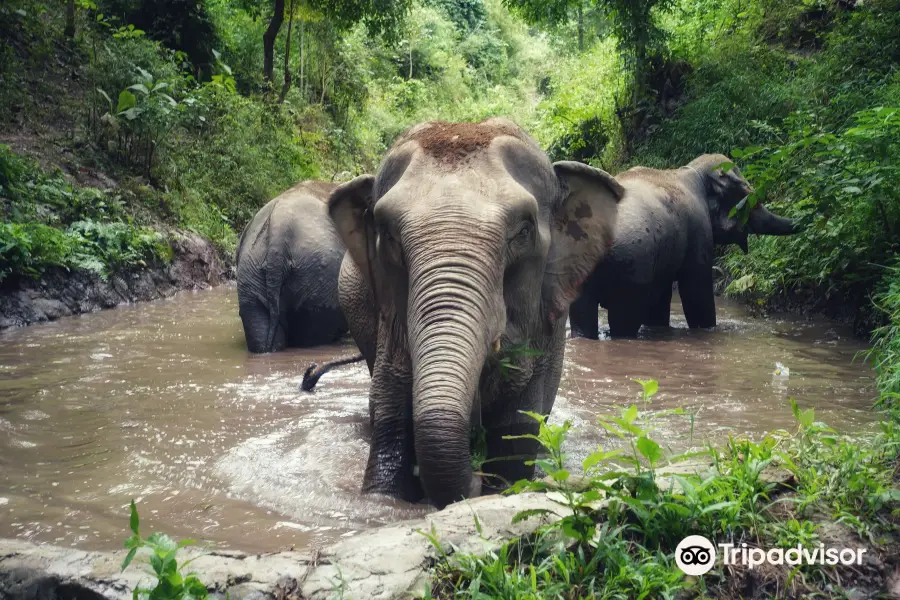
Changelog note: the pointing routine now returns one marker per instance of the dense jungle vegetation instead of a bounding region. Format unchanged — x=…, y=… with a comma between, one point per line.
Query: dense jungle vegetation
x=125, y=119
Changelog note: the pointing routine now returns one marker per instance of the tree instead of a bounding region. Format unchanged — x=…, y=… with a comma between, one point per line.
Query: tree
x=381, y=17
x=286, y=86
x=70, y=19
x=269, y=41
x=632, y=23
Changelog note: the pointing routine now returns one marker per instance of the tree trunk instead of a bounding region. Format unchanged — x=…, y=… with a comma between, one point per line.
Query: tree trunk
x=580, y=27
x=269, y=42
x=410, y=57
x=302, y=56
x=325, y=37
x=70, y=19
x=286, y=86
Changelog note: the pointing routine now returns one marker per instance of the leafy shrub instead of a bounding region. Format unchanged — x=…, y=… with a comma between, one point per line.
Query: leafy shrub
x=30, y=194
x=844, y=187
x=885, y=352
x=28, y=249
x=616, y=528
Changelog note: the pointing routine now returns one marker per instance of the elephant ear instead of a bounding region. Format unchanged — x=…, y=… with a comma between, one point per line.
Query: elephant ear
x=350, y=208
x=581, y=231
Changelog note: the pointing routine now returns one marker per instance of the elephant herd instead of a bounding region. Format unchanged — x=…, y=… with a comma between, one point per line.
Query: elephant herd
x=465, y=245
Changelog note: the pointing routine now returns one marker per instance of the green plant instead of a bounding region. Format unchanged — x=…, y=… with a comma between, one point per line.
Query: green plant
x=172, y=582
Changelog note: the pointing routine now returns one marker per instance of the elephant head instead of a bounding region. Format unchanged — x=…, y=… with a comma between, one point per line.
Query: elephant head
x=723, y=191
x=468, y=238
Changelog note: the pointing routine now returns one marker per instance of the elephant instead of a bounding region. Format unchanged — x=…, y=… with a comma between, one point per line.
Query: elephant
x=669, y=222
x=466, y=245
x=288, y=260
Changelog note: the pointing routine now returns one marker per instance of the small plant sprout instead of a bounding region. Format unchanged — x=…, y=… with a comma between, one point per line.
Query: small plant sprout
x=649, y=387
x=172, y=583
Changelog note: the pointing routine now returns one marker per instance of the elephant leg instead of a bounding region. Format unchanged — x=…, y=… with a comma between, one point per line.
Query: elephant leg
x=583, y=319
x=255, y=319
x=659, y=310
x=698, y=297
x=507, y=457
x=627, y=310
x=392, y=450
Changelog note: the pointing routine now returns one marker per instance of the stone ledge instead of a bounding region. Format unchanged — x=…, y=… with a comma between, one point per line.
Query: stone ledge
x=387, y=563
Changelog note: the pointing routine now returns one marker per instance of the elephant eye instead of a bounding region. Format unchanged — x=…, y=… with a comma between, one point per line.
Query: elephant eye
x=524, y=232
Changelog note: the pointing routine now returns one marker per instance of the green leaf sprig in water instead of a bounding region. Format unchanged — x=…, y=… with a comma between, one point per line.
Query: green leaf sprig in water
x=171, y=582
x=511, y=354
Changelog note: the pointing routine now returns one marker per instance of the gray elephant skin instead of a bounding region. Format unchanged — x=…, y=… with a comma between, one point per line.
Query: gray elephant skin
x=288, y=262
x=467, y=242
x=668, y=223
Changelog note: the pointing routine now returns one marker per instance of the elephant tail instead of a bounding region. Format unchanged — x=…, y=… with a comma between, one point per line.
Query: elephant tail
x=314, y=372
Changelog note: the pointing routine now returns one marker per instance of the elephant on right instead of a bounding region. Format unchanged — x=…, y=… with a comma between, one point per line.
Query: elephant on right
x=668, y=222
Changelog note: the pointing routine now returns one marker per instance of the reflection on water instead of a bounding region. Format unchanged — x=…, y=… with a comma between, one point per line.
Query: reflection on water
x=161, y=402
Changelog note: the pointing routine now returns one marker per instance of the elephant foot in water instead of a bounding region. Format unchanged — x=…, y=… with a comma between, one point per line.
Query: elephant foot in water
x=475, y=489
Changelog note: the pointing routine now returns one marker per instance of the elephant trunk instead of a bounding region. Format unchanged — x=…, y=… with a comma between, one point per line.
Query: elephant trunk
x=764, y=222
x=450, y=333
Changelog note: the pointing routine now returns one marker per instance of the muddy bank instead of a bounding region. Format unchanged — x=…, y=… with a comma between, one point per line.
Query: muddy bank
x=196, y=265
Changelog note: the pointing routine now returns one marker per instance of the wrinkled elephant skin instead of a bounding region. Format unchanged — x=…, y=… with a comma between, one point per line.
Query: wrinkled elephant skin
x=288, y=261
x=669, y=222
x=465, y=243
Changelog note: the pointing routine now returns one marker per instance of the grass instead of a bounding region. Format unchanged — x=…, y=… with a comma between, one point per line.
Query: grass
x=617, y=524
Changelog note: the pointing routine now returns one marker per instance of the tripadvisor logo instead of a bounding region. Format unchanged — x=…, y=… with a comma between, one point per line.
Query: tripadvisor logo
x=696, y=555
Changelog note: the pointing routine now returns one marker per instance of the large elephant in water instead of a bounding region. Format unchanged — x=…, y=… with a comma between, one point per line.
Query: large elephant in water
x=668, y=223
x=466, y=243
x=288, y=261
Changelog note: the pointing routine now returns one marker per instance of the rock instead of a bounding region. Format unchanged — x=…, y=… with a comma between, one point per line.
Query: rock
x=387, y=563
x=195, y=265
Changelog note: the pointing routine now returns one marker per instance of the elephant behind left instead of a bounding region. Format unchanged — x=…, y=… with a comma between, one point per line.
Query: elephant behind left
x=288, y=261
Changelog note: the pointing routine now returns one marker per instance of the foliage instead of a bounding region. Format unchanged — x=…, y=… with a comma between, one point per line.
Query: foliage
x=885, y=352
x=29, y=249
x=172, y=583
x=50, y=223
x=615, y=532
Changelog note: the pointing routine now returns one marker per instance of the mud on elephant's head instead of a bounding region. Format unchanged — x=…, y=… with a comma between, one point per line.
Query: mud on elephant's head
x=469, y=237
x=724, y=190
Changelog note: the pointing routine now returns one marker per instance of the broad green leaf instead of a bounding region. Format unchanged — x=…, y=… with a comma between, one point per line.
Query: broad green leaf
x=807, y=417
x=127, y=100
x=561, y=475
x=140, y=87
x=132, y=113
x=649, y=387
x=649, y=449
x=630, y=414
x=162, y=543
x=597, y=457
x=135, y=521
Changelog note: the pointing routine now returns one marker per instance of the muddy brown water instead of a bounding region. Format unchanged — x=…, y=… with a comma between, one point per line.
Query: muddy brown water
x=161, y=402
